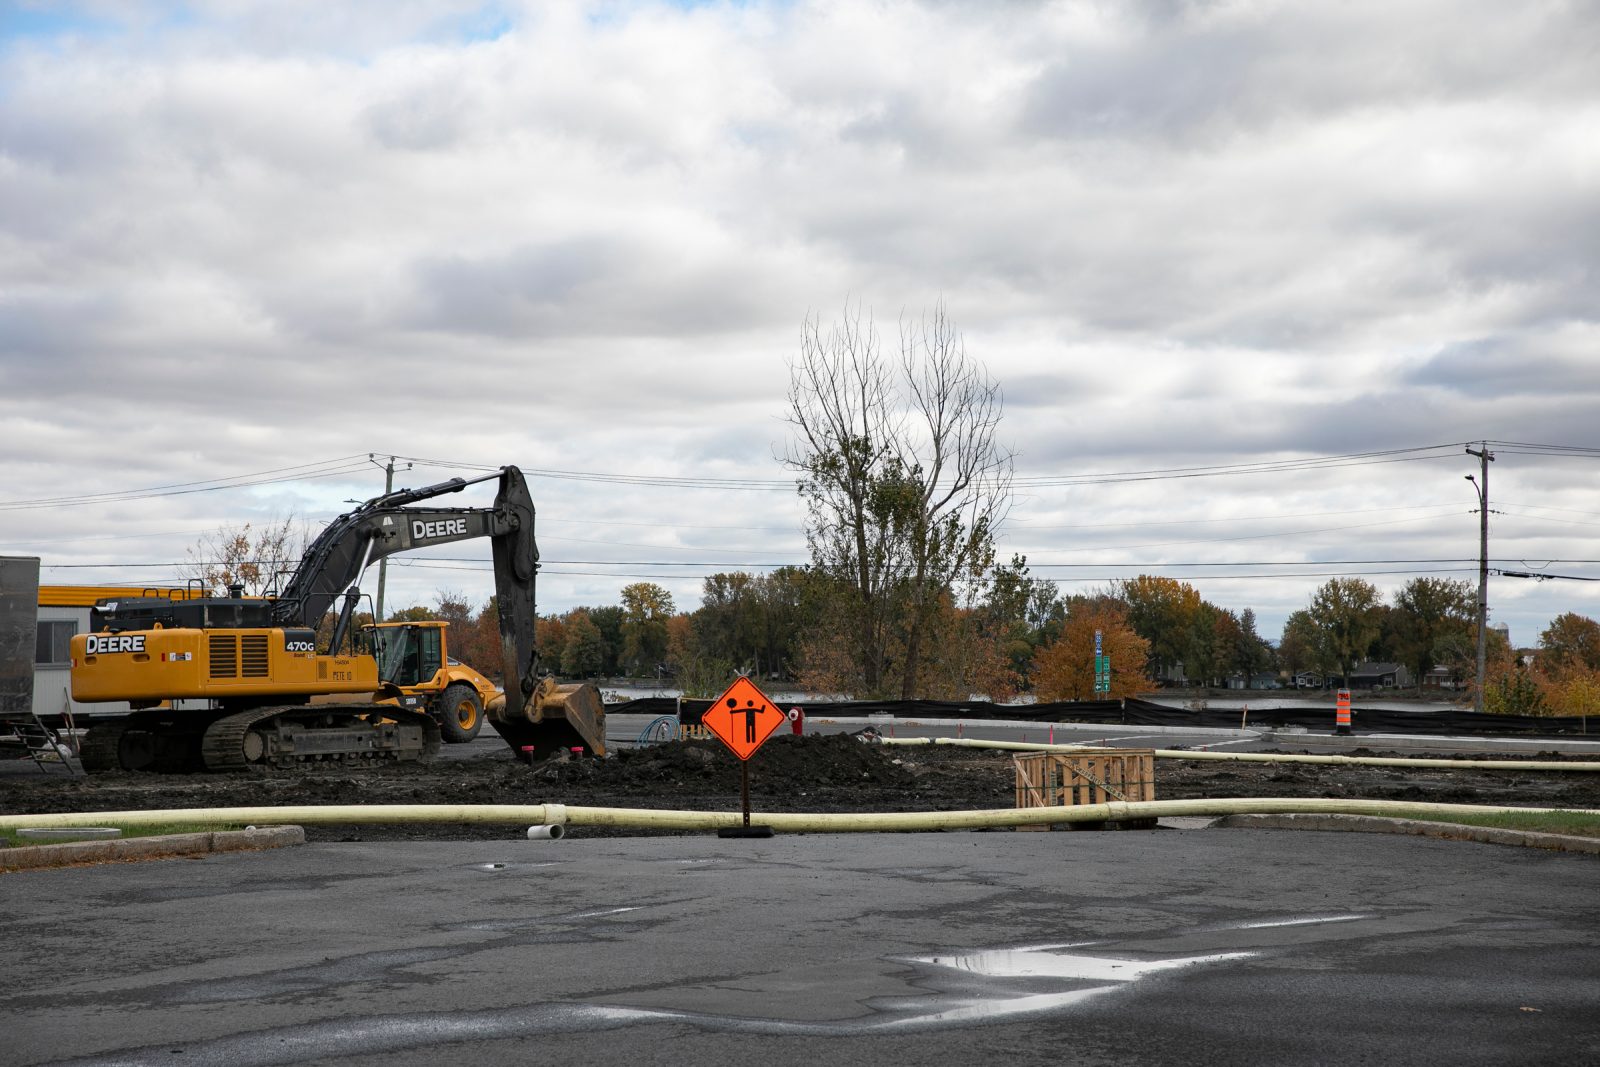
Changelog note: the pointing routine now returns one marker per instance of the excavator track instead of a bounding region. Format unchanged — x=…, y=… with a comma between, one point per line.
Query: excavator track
x=157, y=740
x=301, y=737
x=99, y=751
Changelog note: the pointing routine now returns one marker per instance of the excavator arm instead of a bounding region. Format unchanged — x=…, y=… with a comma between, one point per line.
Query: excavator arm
x=536, y=717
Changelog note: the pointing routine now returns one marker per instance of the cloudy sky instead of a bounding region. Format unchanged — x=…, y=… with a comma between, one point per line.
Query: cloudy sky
x=245, y=244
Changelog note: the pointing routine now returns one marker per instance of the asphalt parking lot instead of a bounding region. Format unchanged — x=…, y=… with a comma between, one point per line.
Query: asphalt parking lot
x=1163, y=947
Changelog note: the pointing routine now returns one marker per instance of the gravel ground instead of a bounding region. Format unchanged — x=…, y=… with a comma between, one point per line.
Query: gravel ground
x=823, y=773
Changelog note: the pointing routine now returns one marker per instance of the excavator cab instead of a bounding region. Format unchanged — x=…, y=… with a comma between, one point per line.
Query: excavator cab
x=409, y=654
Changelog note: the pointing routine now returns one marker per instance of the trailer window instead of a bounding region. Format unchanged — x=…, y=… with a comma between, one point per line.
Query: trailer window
x=54, y=645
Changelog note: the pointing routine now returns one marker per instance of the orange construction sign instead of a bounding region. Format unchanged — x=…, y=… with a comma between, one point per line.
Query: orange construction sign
x=743, y=718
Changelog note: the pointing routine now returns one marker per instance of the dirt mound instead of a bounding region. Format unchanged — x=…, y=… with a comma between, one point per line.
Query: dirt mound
x=783, y=765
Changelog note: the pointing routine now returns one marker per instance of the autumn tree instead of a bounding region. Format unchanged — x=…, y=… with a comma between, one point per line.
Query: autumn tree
x=1065, y=669
x=1251, y=654
x=1515, y=692
x=752, y=622
x=1433, y=618
x=1343, y=613
x=646, y=608
x=903, y=477
x=1298, y=643
x=971, y=660
x=482, y=642
x=697, y=671
x=550, y=637
x=1165, y=612
x=583, y=656
x=608, y=619
x=460, y=621
x=1019, y=613
x=1227, y=644
x=1571, y=640
x=248, y=556
x=1299, y=647
x=1575, y=690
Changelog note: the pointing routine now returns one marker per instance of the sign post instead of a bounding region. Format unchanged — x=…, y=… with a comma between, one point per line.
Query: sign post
x=743, y=718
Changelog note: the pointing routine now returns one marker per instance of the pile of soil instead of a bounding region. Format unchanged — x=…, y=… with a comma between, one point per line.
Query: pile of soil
x=816, y=773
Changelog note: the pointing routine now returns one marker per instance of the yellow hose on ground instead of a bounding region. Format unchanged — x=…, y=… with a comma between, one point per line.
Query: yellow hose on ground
x=1266, y=757
x=901, y=821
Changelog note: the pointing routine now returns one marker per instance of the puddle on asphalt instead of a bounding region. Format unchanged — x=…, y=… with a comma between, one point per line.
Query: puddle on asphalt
x=1312, y=921
x=961, y=988
x=498, y=866
x=539, y=922
x=982, y=998
x=1037, y=963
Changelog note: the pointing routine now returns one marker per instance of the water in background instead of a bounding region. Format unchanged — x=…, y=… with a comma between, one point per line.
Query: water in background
x=1271, y=699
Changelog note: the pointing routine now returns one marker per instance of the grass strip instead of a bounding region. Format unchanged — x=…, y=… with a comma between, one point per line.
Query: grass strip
x=1570, y=823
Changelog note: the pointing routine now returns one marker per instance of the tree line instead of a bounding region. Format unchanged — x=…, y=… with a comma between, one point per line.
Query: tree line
x=1020, y=635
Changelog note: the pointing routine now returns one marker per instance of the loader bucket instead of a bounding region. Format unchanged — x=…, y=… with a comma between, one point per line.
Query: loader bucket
x=555, y=718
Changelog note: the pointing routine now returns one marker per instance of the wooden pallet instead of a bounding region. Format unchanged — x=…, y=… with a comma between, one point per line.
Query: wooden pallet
x=1089, y=776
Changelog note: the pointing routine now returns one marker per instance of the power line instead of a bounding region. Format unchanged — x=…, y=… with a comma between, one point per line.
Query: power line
x=303, y=472
x=357, y=463
x=1026, y=525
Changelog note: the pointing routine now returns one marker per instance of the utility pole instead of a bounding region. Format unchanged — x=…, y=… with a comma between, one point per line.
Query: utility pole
x=1485, y=457
x=383, y=564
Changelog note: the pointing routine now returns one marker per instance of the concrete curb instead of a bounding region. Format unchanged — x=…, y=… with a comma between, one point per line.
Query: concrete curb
x=135, y=849
x=1369, y=824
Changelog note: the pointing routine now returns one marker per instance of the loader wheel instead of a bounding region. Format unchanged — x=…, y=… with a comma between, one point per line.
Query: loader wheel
x=460, y=713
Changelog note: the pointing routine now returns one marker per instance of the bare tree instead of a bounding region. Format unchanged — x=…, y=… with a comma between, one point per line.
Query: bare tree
x=246, y=556
x=904, y=478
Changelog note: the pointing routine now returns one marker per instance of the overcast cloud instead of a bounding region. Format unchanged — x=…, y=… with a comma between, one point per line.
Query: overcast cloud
x=242, y=236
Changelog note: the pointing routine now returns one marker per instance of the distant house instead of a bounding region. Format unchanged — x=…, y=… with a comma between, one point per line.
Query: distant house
x=1439, y=677
x=1255, y=681
x=1308, y=680
x=1380, y=676
x=1172, y=676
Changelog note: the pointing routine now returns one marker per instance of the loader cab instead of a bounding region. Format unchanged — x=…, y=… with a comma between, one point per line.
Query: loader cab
x=408, y=653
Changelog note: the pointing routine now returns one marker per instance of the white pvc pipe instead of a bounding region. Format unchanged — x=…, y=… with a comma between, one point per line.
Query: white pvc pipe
x=553, y=815
x=1266, y=757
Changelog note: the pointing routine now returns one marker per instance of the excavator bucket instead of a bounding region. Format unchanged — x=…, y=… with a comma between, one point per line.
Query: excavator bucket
x=555, y=718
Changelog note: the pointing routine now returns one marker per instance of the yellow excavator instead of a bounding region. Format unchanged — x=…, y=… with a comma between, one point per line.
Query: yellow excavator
x=241, y=683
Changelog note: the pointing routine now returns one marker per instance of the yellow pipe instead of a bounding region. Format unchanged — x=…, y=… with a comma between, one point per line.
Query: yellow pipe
x=1267, y=757
x=557, y=814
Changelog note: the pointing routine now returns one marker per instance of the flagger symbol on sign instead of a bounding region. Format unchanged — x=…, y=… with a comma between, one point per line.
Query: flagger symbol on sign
x=750, y=711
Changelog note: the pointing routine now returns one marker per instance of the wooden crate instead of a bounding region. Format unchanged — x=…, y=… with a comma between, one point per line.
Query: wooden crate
x=1089, y=776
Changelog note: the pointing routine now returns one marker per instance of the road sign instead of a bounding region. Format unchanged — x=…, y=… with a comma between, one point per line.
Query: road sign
x=743, y=718
x=1102, y=666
